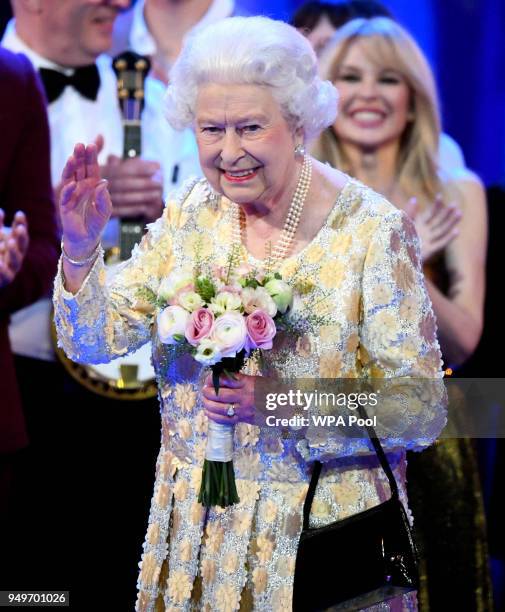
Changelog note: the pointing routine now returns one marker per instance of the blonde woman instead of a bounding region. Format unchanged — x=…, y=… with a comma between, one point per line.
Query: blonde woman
x=386, y=134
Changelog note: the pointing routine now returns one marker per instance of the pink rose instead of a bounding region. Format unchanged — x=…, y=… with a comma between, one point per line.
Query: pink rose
x=199, y=326
x=260, y=330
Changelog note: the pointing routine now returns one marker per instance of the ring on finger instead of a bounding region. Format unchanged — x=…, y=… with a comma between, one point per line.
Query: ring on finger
x=231, y=410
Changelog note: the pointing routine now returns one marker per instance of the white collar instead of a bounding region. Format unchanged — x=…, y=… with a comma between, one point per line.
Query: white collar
x=142, y=41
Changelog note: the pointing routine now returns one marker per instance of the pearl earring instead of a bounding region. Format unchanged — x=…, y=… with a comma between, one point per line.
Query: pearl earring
x=300, y=151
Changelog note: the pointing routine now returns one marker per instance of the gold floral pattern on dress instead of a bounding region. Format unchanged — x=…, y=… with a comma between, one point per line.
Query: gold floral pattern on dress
x=340, y=244
x=247, y=434
x=395, y=242
x=227, y=598
x=331, y=274
x=269, y=511
x=150, y=570
x=196, y=478
x=320, y=508
x=314, y=253
x=162, y=495
x=403, y=276
x=247, y=491
x=215, y=535
x=382, y=294
x=168, y=465
x=292, y=524
x=184, y=429
x=196, y=244
x=387, y=327
x=330, y=333
x=181, y=490
x=208, y=570
x=241, y=523
x=428, y=328
x=260, y=579
x=153, y=533
x=273, y=446
x=143, y=601
x=224, y=233
x=247, y=463
x=196, y=513
x=200, y=448
x=304, y=346
x=409, y=308
x=185, y=551
x=351, y=306
x=284, y=471
x=201, y=422
x=352, y=343
x=288, y=268
x=179, y=585
x=282, y=599
x=185, y=396
x=230, y=563
x=330, y=365
x=286, y=566
x=207, y=218
x=265, y=546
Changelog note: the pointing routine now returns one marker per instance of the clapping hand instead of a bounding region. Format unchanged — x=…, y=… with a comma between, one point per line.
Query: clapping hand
x=85, y=203
x=13, y=247
x=435, y=226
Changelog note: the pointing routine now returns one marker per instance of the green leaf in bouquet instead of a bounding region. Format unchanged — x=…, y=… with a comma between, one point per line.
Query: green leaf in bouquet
x=205, y=288
x=150, y=296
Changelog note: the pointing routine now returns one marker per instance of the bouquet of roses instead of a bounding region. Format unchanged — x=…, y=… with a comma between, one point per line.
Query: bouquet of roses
x=220, y=318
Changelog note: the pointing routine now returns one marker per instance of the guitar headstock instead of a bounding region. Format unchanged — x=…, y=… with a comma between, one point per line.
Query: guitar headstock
x=131, y=70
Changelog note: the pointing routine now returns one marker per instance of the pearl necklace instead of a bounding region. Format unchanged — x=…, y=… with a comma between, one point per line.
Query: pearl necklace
x=285, y=241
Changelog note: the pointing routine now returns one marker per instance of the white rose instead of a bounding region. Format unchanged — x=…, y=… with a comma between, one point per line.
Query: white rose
x=281, y=293
x=190, y=300
x=207, y=352
x=258, y=299
x=173, y=283
x=230, y=333
x=225, y=301
x=172, y=322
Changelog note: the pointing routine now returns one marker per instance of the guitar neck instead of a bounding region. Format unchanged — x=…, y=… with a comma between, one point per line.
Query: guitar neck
x=130, y=229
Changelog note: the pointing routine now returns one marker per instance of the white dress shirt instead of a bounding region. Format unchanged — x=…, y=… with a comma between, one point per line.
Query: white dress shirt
x=141, y=40
x=74, y=118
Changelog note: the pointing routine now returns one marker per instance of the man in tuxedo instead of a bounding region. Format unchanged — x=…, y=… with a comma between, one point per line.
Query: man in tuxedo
x=28, y=239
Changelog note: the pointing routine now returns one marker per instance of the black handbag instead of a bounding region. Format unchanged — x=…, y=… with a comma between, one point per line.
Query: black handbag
x=358, y=561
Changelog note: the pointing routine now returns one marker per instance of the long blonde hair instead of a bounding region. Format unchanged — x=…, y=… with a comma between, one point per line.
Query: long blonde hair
x=417, y=167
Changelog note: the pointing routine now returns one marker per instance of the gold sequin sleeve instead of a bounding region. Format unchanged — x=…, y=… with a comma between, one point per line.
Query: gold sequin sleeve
x=107, y=317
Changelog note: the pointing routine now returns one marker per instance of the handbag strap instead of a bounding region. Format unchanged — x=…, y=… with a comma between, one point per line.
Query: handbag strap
x=318, y=465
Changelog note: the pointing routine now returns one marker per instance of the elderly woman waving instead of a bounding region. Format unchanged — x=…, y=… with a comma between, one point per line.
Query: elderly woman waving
x=250, y=89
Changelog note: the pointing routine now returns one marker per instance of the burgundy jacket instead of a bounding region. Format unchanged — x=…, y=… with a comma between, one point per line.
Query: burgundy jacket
x=25, y=184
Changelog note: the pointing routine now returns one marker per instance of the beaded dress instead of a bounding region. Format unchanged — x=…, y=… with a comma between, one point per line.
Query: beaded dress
x=362, y=272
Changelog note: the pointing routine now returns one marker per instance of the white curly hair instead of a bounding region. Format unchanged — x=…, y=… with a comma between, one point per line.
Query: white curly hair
x=259, y=51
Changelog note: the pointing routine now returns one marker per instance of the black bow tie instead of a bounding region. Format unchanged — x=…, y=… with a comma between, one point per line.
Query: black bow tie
x=85, y=80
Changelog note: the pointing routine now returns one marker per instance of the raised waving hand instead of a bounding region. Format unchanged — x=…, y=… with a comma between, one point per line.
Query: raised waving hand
x=85, y=203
